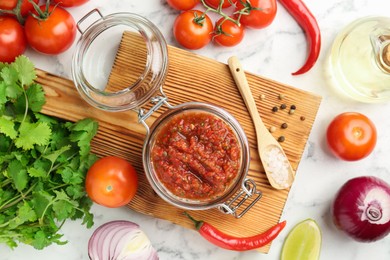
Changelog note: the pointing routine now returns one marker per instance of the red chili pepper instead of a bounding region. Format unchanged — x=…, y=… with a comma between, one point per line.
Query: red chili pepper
x=226, y=241
x=309, y=24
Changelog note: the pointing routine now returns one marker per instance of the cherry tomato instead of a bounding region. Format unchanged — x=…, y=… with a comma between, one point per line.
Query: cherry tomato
x=193, y=29
x=70, y=3
x=12, y=39
x=183, y=5
x=215, y=3
x=25, y=8
x=52, y=35
x=111, y=181
x=257, y=19
x=351, y=136
x=228, y=33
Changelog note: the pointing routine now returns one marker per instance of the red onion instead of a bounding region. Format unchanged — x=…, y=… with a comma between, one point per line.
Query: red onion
x=120, y=239
x=362, y=208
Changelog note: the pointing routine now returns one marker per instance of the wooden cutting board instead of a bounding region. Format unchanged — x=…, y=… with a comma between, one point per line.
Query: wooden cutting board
x=195, y=78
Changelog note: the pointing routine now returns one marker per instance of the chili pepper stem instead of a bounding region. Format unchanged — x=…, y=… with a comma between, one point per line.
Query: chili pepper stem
x=197, y=223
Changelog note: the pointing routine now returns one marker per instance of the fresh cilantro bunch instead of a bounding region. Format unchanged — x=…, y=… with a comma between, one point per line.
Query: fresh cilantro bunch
x=43, y=163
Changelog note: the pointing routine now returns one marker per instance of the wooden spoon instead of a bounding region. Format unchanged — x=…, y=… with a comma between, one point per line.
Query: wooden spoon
x=275, y=162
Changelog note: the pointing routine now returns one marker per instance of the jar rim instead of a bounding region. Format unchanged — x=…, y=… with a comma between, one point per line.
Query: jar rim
x=153, y=75
x=188, y=204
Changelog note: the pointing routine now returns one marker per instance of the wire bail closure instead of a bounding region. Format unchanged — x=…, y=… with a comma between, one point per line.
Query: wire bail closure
x=248, y=190
x=158, y=101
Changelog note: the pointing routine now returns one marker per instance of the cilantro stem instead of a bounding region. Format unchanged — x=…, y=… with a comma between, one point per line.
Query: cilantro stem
x=15, y=200
x=53, y=168
x=11, y=235
x=4, y=225
x=5, y=183
x=59, y=186
x=26, y=108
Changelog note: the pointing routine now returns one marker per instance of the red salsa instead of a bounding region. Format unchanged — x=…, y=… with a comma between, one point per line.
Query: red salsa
x=196, y=155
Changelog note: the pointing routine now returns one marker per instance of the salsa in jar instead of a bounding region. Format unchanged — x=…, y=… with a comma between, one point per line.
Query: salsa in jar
x=196, y=155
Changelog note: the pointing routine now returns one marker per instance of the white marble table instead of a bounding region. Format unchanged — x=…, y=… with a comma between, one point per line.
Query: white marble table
x=273, y=52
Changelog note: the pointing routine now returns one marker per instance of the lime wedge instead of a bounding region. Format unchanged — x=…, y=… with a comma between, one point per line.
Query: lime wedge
x=303, y=242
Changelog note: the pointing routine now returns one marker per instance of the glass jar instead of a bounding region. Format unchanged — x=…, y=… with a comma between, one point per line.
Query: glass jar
x=359, y=60
x=95, y=55
x=145, y=88
x=239, y=182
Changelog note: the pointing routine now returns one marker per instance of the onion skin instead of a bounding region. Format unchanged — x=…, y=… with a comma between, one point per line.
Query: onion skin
x=362, y=208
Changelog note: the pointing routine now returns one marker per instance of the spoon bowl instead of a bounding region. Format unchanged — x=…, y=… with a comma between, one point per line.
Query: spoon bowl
x=275, y=162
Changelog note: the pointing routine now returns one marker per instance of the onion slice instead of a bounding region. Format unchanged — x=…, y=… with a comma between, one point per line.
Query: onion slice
x=120, y=239
x=362, y=208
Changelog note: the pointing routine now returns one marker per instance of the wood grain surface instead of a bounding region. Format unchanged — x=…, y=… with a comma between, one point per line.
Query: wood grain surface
x=192, y=77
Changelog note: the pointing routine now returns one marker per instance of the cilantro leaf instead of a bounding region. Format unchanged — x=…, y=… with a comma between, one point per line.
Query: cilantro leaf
x=3, y=98
x=26, y=213
x=43, y=239
x=43, y=163
x=7, y=127
x=63, y=207
x=46, y=119
x=37, y=172
x=10, y=79
x=55, y=154
x=36, y=97
x=82, y=132
x=31, y=134
x=18, y=174
x=25, y=70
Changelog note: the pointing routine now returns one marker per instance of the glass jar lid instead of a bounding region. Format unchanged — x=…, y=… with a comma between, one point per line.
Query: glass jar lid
x=124, y=43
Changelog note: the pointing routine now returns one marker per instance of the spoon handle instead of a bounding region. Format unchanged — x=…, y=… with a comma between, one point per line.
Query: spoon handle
x=243, y=86
x=280, y=174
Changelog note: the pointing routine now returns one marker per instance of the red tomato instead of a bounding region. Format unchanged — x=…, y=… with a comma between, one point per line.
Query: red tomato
x=215, y=3
x=52, y=35
x=111, y=181
x=183, y=5
x=11, y=4
x=228, y=33
x=257, y=19
x=12, y=39
x=351, y=136
x=193, y=29
x=70, y=3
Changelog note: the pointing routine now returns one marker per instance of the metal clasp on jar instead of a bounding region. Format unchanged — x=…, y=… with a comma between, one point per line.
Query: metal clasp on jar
x=158, y=101
x=248, y=191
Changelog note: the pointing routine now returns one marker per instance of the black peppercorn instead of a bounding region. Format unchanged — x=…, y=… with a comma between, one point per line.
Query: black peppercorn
x=293, y=107
x=275, y=109
x=284, y=125
x=281, y=138
x=283, y=106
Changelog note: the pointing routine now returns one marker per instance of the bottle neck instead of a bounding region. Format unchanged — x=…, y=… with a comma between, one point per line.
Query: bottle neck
x=381, y=48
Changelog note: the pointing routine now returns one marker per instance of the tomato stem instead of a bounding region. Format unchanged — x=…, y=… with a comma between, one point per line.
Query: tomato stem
x=16, y=11
x=219, y=11
x=42, y=15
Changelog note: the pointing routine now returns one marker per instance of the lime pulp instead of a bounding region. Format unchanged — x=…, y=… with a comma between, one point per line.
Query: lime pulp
x=303, y=242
